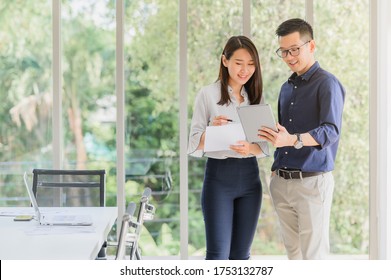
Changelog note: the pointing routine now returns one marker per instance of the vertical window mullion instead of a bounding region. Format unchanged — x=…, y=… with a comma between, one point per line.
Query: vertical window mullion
x=57, y=123
x=247, y=18
x=120, y=122
x=183, y=172
x=309, y=11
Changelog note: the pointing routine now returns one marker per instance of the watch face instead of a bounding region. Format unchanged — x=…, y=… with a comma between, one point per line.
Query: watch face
x=299, y=143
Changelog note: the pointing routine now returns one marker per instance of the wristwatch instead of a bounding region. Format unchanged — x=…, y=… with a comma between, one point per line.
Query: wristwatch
x=299, y=142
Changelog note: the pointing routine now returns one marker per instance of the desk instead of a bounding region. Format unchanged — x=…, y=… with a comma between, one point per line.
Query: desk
x=16, y=243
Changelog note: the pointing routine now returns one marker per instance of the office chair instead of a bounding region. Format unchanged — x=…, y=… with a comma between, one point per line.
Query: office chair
x=146, y=212
x=131, y=231
x=126, y=237
x=70, y=188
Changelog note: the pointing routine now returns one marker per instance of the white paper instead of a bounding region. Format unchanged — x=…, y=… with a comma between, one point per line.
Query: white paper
x=17, y=212
x=219, y=138
x=51, y=230
x=29, y=211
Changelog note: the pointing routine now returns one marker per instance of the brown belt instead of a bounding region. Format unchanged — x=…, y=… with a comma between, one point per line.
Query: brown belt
x=296, y=174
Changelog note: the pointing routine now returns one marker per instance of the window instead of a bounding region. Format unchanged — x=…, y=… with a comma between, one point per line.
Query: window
x=152, y=123
x=88, y=98
x=343, y=50
x=26, y=119
x=152, y=108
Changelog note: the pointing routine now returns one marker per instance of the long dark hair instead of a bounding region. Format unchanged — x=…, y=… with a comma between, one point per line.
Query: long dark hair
x=254, y=84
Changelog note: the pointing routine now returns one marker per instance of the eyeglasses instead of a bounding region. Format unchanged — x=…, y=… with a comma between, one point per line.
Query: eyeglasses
x=292, y=51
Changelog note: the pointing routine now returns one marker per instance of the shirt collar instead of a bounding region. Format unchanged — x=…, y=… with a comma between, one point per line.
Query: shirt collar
x=307, y=75
x=243, y=92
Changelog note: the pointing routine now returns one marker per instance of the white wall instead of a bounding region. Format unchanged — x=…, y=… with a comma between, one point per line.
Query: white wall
x=380, y=130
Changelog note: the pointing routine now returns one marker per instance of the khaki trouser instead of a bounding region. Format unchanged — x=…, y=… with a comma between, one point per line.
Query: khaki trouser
x=303, y=207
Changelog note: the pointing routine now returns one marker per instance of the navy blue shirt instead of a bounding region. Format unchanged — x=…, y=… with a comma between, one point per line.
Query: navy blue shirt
x=313, y=103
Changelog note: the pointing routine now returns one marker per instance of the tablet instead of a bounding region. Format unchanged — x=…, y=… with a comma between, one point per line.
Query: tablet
x=253, y=117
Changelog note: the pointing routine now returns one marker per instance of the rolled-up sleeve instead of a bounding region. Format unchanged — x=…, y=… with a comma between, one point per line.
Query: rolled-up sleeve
x=199, y=123
x=332, y=100
x=265, y=149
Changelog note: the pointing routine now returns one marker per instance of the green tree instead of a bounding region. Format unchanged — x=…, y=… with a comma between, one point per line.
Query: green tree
x=152, y=108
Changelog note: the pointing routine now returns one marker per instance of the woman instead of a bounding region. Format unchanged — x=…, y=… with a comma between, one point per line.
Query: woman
x=232, y=190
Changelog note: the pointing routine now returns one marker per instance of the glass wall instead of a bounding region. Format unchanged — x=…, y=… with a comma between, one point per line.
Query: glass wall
x=152, y=103
x=342, y=36
x=152, y=123
x=88, y=98
x=25, y=89
x=88, y=30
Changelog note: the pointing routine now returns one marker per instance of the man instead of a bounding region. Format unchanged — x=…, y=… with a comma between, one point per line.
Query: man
x=310, y=109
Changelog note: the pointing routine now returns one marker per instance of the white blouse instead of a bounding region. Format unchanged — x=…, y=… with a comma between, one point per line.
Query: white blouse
x=205, y=109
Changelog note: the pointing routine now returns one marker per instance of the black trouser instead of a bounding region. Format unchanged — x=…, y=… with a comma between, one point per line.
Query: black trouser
x=231, y=202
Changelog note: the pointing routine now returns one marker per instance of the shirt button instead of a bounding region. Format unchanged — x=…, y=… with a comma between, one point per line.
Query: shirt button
x=295, y=86
x=286, y=153
x=291, y=103
x=290, y=120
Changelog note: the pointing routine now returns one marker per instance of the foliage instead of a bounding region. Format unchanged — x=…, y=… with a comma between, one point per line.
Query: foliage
x=350, y=224
x=152, y=107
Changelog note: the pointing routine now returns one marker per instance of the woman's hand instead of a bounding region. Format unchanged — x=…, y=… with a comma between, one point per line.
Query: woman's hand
x=220, y=120
x=241, y=147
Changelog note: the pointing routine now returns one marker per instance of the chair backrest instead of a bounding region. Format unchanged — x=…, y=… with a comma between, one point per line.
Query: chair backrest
x=146, y=211
x=126, y=236
x=69, y=187
x=130, y=231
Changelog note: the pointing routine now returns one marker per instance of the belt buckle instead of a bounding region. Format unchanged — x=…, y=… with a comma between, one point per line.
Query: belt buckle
x=301, y=175
x=286, y=174
x=299, y=172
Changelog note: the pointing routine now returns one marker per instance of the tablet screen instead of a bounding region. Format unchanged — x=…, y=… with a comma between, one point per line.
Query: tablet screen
x=253, y=117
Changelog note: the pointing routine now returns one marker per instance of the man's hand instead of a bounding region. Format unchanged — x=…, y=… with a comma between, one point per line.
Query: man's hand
x=278, y=139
